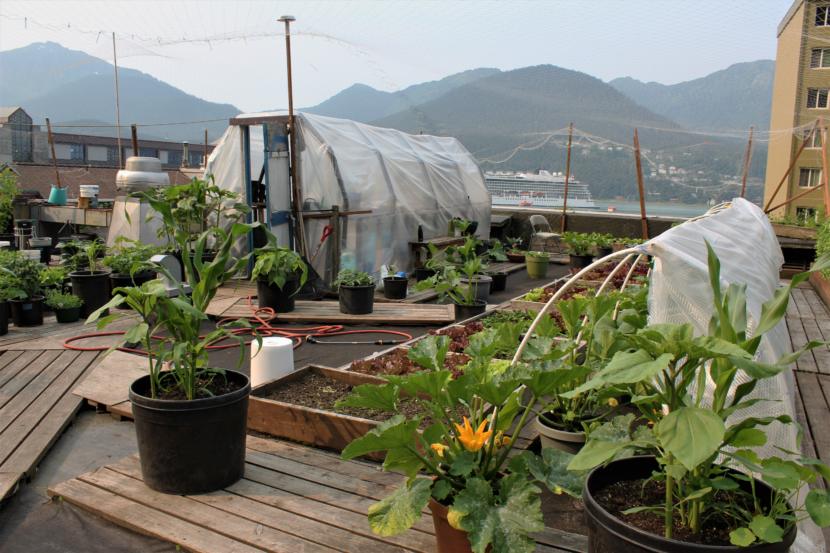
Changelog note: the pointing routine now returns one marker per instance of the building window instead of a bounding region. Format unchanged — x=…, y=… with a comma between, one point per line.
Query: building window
x=815, y=140
x=808, y=178
x=147, y=152
x=822, y=15
x=820, y=58
x=74, y=152
x=806, y=214
x=817, y=98
x=174, y=158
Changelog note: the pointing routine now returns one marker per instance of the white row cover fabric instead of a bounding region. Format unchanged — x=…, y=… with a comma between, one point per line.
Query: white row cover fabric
x=404, y=180
x=680, y=292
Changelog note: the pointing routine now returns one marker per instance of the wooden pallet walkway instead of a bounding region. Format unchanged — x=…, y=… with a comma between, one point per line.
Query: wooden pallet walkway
x=329, y=312
x=808, y=318
x=292, y=498
x=36, y=405
x=51, y=334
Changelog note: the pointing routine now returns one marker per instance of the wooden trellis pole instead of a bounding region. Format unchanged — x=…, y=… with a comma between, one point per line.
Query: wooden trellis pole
x=789, y=170
x=640, y=187
x=567, y=178
x=54, y=157
x=747, y=161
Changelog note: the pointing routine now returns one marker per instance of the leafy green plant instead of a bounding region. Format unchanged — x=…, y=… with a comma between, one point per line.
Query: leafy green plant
x=22, y=275
x=578, y=243
x=534, y=295
x=178, y=361
x=698, y=439
x=349, y=277
x=53, y=277
x=496, y=251
x=92, y=250
x=823, y=242
x=277, y=265
x=8, y=192
x=466, y=447
x=603, y=240
x=460, y=224
x=537, y=255
x=128, y=257
x=448, y=283
x=59, y=300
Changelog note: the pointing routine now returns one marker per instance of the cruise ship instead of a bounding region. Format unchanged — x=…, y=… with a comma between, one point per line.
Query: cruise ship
x=544, y=189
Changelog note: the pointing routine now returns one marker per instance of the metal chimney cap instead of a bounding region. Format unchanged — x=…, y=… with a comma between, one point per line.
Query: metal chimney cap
x=287, y=18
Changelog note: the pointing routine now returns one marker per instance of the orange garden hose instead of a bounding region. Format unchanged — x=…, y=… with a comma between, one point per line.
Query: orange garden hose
x=262, y=316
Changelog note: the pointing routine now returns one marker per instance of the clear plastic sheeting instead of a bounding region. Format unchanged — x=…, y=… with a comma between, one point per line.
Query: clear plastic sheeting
x=404, y=181
x=748, y=249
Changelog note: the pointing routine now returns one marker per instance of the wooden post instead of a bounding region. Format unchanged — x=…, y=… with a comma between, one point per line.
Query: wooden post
x=134, y=131
x=747, y=161
x=640, y=189
x=54, y=157
x=790, y=168
x=335, y=241
x=206, y=148
x=567, y=178
x=824, y=166
x=797, y=196
x=117, y=106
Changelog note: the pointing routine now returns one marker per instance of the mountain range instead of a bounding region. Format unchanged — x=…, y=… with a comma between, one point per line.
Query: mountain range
x=507, y=119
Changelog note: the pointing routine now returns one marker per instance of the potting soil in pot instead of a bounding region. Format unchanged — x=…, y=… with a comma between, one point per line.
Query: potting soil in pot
x=627, y=494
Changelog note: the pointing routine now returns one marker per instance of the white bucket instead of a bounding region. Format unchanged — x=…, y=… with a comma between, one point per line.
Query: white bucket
x=274, y=360
x=34, y=255
x=88, y=191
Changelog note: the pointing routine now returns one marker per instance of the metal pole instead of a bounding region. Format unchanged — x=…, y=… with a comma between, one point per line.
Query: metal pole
x=117, y=105
x=134, y=133
x=567, y=178
x=640, y=188
x=747, y=161
x=295, y=185
x=54, y=157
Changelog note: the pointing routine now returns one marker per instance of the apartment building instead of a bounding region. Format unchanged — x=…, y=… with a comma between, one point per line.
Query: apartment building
x=801, y=95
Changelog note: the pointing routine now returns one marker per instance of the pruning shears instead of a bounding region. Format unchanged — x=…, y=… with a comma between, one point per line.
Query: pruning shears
x=327, y=231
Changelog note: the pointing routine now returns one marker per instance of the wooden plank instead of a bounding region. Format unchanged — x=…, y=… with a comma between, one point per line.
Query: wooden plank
x=808, y=446
x=121, y=411
x=8, y=483
x=801, y=303
x=109, y=381
x=52, y=367
x=7, y=368
x=816, y=408
x=234, y=527
x=259, y=503
x=144, y=520
x=35, y=364
x=46, y=419
x=219, y=305
x=821, y=354
x=798, y=338
x=329, y=312
x=562, y=541
x=816, y=304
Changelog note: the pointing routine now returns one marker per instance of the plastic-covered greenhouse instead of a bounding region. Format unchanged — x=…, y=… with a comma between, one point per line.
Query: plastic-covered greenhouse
x=399, y=182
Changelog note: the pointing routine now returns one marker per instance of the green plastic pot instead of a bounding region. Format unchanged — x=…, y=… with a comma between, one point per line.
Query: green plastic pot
x=537, y=267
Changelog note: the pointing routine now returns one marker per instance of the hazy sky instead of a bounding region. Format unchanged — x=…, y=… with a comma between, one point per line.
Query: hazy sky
x=233, y=51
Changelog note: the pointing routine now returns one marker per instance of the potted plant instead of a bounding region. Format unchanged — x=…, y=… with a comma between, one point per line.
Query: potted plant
x=537, y=264
x=190, y=415
x=7, y=292
x=580, y=246
x=92, y=285
x=604, y=244
x=449, y=285
x=129, y=262
x=463, y=227
x=356, y=291
x=704, y=485
x=8, y=192
x=598, y=326
x=395, y=285
x=279, y=274
x=481, y=499
x=23, y=288
x=53, y=279
x=67, y=307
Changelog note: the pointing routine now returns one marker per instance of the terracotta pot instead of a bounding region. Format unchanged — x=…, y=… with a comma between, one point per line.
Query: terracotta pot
x=449, y=539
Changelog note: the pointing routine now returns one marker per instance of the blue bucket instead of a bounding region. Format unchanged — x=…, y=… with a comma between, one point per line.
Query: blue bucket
x=57, y=196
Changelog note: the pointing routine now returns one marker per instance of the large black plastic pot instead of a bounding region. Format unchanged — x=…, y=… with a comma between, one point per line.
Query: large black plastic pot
x=578, y=262
x=499, y=283
x=357, y=300
x=609, y=534
x=422, y=273
x=4, y=317
x=279, y=299
x=394, y=287
x=93, y=287
x=195, y=446
x=68, y=314
x=604, y=252
x=28, y=312
x=464, y=312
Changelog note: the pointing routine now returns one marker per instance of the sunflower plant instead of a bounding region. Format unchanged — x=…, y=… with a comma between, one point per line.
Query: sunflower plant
x=462, y=439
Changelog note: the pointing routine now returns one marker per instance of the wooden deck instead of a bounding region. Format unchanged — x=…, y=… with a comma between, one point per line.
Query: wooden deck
x=292, y=498
x=36, y=405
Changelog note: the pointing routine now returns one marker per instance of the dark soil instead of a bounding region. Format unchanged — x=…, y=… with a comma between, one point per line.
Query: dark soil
x=636, y=493
x=459, y=335
x=396, y=362
x=318, y=391
x=206, y=386
x=602, y=272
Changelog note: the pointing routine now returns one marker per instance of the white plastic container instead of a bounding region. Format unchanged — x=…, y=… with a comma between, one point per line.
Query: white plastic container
x=273, y=360
x=88, y=191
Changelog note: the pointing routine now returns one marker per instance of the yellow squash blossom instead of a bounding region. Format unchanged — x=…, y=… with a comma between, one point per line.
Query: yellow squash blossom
x=439, y=449
x=473, y=441
x=613, y=402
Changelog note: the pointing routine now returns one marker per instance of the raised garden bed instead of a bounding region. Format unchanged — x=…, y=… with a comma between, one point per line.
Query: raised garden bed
x=300, y=407
x=396, y=362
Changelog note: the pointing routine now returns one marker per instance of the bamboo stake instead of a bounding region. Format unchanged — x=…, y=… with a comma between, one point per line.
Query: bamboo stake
x=790, y=168
x=206, y=148
x=747, y=161
x=117, y=105
x=796, y=197
x=54, y=157
x=134, y=132
x=640, y=188
x=567, y=178
x=824, y=166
